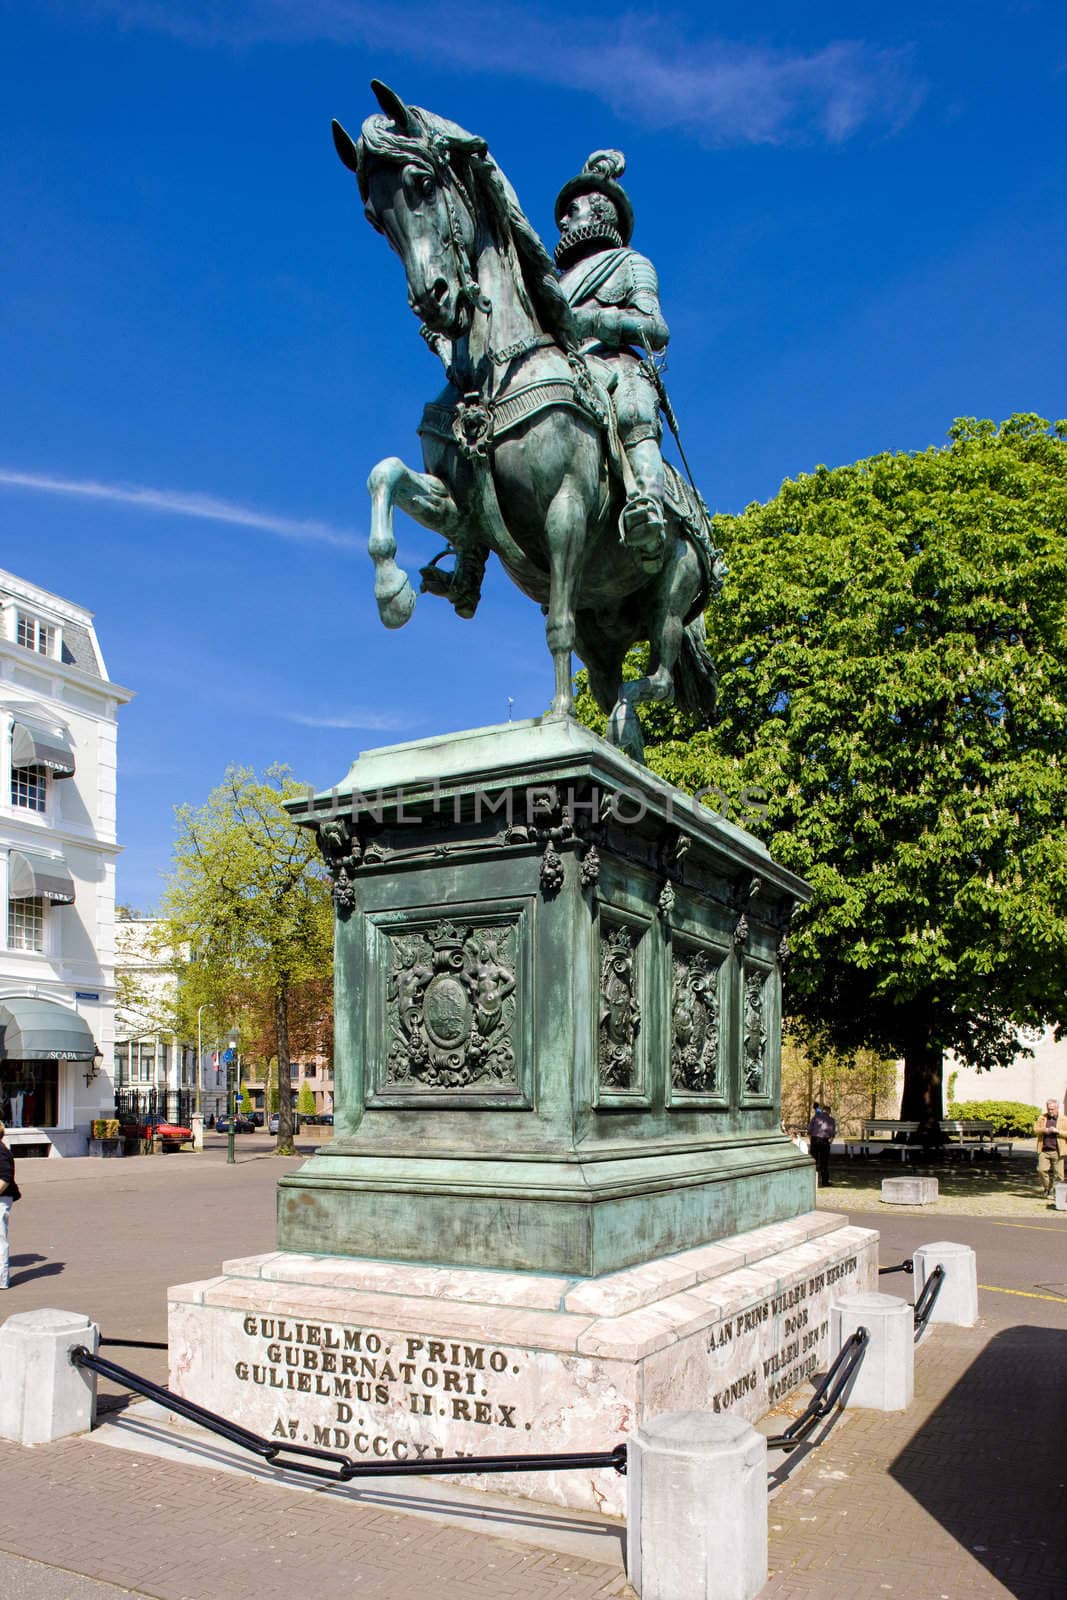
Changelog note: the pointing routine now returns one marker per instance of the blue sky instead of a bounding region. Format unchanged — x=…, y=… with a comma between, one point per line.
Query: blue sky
x=857, y=214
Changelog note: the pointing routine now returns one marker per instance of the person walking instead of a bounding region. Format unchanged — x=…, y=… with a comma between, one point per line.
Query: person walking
x=1051, y=1131
x=822, y=1130
x=9, y=1193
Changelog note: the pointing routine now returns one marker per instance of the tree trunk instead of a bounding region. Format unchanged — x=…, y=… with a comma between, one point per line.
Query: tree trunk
x=285, y=1145
x=922, y=1100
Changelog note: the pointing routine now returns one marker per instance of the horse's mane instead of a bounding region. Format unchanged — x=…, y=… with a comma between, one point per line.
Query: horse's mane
x=441, y=147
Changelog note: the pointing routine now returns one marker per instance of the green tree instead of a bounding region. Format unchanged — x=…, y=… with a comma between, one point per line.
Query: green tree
x=305, y=1101
x=892, y=650
x=247, y=894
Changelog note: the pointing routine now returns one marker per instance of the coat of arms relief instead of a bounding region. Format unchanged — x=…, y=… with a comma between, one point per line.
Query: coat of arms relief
x=450, y=1007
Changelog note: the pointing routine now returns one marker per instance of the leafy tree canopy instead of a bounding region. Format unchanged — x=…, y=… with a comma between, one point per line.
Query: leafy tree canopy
x=892, y=650
x=247, y=894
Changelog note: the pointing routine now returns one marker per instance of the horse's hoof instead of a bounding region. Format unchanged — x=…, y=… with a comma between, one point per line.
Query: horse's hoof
x=624, y=731
x=395, y=597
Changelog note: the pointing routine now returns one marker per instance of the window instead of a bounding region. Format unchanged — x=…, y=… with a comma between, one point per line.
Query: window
x=29, y=1094
x=25, y=925
x=144, y=1063
x=294, y=1071
x=309, y=1069
x=35, y=635
x=28, y=787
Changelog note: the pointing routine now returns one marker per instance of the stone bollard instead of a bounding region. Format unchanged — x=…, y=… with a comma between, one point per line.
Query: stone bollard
x=44, y=1397
x=1059, y=1198
x=196, y=1125
x=957, y=1298
x=909, y=1191
x=885, y=1379
x=696, y=1520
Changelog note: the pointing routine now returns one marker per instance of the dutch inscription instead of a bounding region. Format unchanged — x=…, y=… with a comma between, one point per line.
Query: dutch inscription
x=801, y=1333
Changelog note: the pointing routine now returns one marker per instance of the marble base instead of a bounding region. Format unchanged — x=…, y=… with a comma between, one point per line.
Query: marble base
x=393, y=1360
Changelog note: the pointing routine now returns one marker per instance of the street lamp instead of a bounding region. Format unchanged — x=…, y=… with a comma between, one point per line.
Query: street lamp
x=231, y=1096
x=199, y=1060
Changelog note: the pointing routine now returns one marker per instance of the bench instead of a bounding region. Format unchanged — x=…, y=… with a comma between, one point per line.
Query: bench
x=882, y=1134
x=974, y=1136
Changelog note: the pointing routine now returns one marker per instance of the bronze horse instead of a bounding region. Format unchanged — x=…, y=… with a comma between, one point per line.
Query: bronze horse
x=518, y=446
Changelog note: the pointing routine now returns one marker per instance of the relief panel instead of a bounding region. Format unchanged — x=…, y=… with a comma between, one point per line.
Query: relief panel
x=698, y=1055
x=622, y=1007
x=452, y=1012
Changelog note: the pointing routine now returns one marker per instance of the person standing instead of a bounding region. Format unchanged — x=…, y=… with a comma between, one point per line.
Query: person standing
x=9, y=1193
x=1051, y=1131
x=822, y=1130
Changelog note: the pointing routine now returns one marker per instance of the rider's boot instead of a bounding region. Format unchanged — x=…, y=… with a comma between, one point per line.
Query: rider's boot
x=642, y=523
x=462, y=587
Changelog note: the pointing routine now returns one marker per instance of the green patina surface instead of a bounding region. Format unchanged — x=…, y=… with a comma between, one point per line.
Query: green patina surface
x=558, y=1012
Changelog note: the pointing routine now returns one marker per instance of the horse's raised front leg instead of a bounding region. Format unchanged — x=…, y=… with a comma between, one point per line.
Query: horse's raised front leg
x=565, y=531
x=423, y=497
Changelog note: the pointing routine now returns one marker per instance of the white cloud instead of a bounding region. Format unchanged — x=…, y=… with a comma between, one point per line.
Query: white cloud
x=652, y=69
x=369, y=721
x=178, y=503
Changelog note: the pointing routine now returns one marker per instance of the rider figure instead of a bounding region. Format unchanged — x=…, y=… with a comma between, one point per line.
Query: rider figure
x=614, y=293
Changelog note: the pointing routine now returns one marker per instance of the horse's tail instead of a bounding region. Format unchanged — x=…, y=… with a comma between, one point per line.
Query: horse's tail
x=696, y=683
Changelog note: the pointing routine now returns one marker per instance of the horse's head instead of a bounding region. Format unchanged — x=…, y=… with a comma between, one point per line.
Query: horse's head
x=415, y=177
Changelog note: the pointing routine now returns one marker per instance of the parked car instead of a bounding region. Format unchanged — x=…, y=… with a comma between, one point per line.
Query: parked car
x=167, y=1132
x=241, y=1124
x=272, y=1125
x=257, y=1118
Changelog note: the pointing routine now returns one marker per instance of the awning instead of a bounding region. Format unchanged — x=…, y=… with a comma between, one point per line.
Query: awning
x=32, y=877
x=34, y=745
x=40, y=1030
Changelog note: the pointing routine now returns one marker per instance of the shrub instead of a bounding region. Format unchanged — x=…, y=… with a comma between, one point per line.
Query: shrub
x=1007, y=1116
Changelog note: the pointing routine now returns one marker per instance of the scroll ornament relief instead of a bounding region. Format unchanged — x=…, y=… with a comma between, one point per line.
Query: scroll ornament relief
x=695, y=1023
x=451, y=1007
x=620, y=1011
x=754, y=1048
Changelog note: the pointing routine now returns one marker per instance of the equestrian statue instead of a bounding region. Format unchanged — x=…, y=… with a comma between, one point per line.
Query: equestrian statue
x=544, y=445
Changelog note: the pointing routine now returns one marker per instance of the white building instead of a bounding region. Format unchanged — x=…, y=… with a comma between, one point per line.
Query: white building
x=151, y=1059
x=58, y=713
x=1030, y=1079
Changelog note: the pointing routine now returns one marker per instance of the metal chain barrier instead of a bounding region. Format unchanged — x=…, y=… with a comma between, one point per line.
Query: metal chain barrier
x=927, y=1298
x=340, y=1468
x=826, y=1394
x=907, y=1266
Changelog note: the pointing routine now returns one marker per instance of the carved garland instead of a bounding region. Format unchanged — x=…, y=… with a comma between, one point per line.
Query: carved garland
x=620, y=1011
x=754, y=1040
x=695, y=1064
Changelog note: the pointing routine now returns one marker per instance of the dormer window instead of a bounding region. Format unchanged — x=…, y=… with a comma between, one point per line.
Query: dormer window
x=35, y=634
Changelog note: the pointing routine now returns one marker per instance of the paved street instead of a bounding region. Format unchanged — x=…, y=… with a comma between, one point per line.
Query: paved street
x=960, y=1498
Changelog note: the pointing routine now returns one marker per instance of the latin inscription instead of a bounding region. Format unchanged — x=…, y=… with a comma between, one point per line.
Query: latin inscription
x=356, y=1371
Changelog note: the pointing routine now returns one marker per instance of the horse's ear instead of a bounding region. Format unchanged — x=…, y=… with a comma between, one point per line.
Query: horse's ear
x=345, y=147
x=393, y=106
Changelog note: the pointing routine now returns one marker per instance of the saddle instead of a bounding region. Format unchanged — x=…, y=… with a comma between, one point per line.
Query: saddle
x=475, y=425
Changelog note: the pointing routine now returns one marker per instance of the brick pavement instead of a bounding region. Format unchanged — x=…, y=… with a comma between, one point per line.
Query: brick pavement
x=186, y=1533
x=959, y=1498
